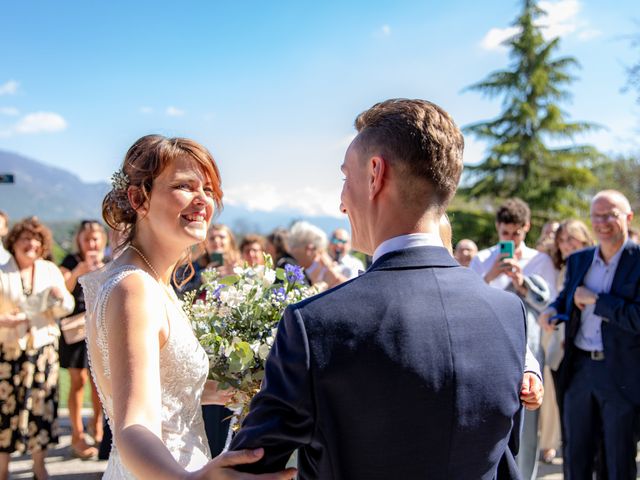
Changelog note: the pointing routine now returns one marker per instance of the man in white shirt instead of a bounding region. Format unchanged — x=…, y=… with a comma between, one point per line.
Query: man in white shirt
x=339, y=248
x=531, y=275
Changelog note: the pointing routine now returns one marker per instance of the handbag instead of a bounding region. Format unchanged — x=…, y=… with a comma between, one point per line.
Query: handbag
x=73, y=328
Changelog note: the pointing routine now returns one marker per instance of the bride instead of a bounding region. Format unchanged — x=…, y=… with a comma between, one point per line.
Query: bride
x=147, y=364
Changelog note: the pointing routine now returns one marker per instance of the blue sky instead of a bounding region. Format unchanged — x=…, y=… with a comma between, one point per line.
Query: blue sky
x=272, y=88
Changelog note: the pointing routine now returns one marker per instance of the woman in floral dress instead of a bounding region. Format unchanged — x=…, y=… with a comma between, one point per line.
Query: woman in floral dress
x=32, y=297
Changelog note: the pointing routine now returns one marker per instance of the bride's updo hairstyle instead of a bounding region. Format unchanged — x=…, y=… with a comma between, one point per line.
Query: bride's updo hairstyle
x=145, y=161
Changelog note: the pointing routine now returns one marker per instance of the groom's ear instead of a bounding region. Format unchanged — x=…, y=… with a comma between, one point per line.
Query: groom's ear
x=376, y=170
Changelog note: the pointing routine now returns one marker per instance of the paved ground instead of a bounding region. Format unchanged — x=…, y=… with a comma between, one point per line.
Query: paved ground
x=62, y=466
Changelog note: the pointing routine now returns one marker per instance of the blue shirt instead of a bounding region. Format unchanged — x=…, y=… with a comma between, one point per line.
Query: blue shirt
x=598, y=279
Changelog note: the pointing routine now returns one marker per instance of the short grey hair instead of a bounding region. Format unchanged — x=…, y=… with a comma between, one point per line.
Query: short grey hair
x=304, y=233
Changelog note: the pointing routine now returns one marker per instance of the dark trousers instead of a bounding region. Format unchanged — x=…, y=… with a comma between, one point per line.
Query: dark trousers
x=594, y=406
x=216, y=424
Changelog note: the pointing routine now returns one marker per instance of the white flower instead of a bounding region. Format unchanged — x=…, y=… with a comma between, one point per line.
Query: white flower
x=269, y=278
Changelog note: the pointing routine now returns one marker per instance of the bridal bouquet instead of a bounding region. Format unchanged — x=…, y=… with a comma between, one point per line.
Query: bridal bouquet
x=235, y=320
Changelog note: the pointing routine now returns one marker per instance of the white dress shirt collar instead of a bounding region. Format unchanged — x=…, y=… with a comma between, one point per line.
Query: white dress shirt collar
x=407, y=241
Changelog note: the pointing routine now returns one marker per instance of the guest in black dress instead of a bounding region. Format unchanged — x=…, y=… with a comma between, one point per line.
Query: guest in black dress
x=90, y=242
x=221, y=253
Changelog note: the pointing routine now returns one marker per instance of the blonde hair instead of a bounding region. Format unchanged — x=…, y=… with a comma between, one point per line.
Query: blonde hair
x=575, y=229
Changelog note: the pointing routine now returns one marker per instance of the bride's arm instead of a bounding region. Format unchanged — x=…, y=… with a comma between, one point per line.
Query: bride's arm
x=136, y=326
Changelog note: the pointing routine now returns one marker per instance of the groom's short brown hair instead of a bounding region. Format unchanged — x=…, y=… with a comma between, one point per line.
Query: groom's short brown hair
x=421, y=140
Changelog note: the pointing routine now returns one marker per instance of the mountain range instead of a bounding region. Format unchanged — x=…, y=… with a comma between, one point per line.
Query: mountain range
x=57, y=195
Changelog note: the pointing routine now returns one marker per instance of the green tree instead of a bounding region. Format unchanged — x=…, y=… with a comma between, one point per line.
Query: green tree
x=524, y=158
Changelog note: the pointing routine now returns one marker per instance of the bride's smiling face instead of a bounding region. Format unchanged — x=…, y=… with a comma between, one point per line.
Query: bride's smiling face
x=181, y=203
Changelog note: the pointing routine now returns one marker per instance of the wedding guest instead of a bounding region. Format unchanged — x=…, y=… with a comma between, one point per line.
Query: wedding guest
x=308, y=246
x=529, y=274
x=339, y=249
x=545, y=242
x=385, y=376
x=4, y=228
x=252, y=249
x=149, y=368
x=90, y=240
x=218, y=251
x=600, y=306
x=32, y=296
x=465, y=251
x=277, y=247
x=222, y=254
x=571, y=236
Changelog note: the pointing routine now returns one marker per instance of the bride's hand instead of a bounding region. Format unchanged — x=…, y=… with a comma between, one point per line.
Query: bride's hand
x=221, y=468
x=212, y=395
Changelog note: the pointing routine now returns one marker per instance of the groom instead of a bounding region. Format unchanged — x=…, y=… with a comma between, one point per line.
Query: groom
x=412, y=370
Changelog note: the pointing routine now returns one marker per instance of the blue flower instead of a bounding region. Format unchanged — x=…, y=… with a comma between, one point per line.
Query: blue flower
x=216, y=292
x=294, y=273
x=280, y=293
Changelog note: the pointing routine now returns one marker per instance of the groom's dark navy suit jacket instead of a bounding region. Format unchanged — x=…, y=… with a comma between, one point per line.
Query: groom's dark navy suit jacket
x=410, y=371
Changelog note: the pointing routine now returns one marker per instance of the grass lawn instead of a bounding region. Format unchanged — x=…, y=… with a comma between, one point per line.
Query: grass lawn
x=63, y=391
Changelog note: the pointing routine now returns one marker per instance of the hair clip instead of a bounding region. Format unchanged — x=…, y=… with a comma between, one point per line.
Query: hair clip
x=120, y=180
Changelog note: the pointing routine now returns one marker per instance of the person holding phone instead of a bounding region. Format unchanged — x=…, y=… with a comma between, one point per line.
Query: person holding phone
x=512, y=265
x=91, y=239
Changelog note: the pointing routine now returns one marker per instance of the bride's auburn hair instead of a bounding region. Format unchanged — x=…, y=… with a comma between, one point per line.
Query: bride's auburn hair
x=144, y=162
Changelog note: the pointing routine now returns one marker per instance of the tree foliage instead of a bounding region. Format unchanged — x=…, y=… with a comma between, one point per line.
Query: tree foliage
x=525, y=159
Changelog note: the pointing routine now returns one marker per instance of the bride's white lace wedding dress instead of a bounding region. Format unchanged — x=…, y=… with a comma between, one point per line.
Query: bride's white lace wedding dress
x=183, y=370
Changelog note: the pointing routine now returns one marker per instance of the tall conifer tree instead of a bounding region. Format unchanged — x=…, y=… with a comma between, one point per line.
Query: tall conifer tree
x=526, y=157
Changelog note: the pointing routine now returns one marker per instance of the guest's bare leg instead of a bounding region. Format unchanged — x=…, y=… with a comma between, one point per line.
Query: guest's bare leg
x=96, y=422
x=4, y=466
x=39, y=469
x=78, y=377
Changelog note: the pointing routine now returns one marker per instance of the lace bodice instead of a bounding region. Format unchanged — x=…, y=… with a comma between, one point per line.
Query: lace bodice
x=183, y=370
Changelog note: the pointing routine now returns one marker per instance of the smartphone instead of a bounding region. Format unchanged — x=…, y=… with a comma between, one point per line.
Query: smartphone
x=217, y=259
x=508, y=247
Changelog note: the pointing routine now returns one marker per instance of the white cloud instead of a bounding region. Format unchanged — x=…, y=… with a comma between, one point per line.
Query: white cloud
x=174, y=112
x=494, y=37
x=562, y=19
x=145, y=110
x=40, y=122
x=9, y=88
x=9, y=111
x=385, y=30
x=269, y=197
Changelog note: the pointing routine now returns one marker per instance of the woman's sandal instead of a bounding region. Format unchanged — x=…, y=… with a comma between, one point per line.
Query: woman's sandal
x=84, y=453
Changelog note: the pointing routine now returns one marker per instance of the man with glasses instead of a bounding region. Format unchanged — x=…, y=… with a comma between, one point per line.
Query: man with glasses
x=601, y=304
x=531, y=275
x=339, y=249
